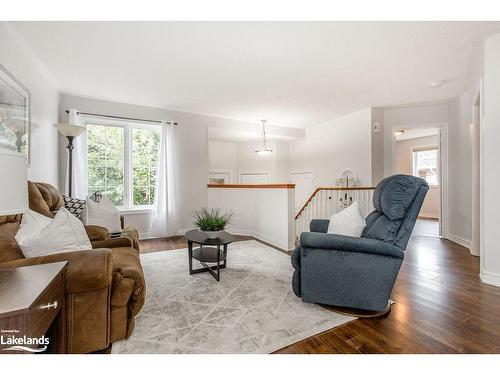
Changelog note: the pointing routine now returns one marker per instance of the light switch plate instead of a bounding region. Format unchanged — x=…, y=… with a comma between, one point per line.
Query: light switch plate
x=377, y=127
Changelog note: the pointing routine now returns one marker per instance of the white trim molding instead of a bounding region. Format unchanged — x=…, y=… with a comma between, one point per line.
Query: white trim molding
x=428, y=215
x=259, y=236
x=489, y=278
x=459, y=240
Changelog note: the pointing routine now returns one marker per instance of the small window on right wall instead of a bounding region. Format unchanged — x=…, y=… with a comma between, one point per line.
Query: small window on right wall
x=425, y=164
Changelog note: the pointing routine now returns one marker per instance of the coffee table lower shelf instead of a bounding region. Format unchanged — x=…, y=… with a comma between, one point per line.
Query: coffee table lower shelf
x=208, y=254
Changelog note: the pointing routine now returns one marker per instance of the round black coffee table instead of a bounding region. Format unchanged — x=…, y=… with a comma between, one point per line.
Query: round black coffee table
x=211, y=250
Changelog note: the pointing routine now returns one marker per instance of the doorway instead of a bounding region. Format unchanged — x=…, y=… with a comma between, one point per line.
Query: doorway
x=304, y=187
x=418, y=152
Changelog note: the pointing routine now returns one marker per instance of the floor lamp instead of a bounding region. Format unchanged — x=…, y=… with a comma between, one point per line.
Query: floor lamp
x=70, y=132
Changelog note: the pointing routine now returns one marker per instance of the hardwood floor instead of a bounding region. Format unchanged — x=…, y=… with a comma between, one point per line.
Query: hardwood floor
x=441, y=307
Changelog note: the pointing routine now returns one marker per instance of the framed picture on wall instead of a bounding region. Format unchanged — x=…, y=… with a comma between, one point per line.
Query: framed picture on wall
x=14, y=114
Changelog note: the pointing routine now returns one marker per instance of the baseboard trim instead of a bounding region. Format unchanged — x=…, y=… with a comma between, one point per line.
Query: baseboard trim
x=459, y=240
x=490, y=278
x=265, y=238
x=257, y=235
x=425, y=215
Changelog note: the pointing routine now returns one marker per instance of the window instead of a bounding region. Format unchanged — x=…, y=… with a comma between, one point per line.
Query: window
x=123, y=161
x=105, y=159
x=425, y=164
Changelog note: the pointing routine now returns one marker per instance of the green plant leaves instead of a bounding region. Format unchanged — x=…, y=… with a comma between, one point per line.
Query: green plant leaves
x=212, y=220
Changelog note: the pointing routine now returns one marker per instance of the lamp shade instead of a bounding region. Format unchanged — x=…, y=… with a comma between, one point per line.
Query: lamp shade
x=69, y=130
x=13, y=184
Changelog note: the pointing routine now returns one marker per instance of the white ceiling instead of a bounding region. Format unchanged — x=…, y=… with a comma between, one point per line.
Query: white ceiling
x=290, y=73
x=232, y=135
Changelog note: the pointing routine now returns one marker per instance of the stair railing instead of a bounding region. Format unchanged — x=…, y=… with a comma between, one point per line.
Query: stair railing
x=326, y=201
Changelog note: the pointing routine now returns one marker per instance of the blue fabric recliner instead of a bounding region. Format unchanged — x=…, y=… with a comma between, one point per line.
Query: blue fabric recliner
x=356, y=272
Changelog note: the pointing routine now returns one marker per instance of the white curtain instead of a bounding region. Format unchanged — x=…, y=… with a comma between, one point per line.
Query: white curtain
x=80, y=182
x=164, y=222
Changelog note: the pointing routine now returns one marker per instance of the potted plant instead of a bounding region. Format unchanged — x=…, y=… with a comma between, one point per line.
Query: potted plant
x=212, y=221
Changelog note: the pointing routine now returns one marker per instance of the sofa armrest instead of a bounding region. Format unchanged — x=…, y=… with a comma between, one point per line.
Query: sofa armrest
x=96, y=232
x=319, y=225
x=87, y=269
x=349, y=244
x=110, y=243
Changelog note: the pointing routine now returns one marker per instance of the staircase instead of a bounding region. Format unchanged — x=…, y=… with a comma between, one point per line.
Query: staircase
x=326, y=201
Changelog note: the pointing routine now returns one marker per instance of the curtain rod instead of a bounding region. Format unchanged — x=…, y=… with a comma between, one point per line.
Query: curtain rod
x=123, y=118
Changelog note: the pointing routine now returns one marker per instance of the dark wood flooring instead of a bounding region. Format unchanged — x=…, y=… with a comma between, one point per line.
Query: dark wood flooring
x=441, y=307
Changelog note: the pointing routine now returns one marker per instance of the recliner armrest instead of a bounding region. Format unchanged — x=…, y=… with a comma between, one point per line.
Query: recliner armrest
x=96, y=232
x=319, y=225
x=87, y=269
x=338, y=242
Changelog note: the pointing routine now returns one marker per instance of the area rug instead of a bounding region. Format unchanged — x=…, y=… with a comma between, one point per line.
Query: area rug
x=252, y=309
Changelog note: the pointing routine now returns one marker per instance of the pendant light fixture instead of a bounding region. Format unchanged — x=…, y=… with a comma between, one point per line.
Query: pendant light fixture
x=263, y=149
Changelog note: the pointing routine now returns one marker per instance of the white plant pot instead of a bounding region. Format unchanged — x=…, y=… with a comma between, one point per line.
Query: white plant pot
x=211, y=234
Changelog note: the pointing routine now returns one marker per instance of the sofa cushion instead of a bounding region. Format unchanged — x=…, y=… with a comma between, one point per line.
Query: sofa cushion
x=44, y=198
x=347, y=222
x=103, y=214
x=64, y=233
x=75, y=206
x=379, y=227
x=394, y=195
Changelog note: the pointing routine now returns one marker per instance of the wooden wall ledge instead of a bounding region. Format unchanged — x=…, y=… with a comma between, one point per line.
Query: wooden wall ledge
x=257, y=186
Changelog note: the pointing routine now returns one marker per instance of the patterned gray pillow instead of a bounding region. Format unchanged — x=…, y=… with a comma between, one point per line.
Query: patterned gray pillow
x=75, y=206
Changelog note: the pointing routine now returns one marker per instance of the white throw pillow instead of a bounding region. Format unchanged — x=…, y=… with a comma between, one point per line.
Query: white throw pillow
x=62, y=234
x=104, y=214
x=32, y=222
x=347, y=222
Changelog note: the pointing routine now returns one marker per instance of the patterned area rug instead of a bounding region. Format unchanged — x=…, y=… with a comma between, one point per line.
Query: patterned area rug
x=251, y=310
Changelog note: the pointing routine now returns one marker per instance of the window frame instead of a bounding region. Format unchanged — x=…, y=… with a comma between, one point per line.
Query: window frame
x=415, y=151
x=128, y=184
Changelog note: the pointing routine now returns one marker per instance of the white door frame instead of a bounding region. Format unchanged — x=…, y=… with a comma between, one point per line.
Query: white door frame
x=443, y=173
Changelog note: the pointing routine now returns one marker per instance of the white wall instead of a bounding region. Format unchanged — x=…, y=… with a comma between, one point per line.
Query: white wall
x=241, y=157
x=377, y=146
x=266, y=214
x=460, y=169
x=44, y=100
x=404, y=164
x=425, y=116
x=191, y=145
x=330, y=147
x=490, y=252
x=275, y=163
x=223, y=156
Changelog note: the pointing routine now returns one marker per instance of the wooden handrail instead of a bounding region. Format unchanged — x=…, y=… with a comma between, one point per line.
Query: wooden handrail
x=331, y=188
x=252, y=186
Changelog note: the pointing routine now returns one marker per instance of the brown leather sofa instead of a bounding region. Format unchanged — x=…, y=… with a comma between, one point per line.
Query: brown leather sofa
x=105, y=286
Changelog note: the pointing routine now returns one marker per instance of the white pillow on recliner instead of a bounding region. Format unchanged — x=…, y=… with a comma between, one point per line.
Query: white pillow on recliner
x=347, y=222
x=39, y=235
x=103, y=214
